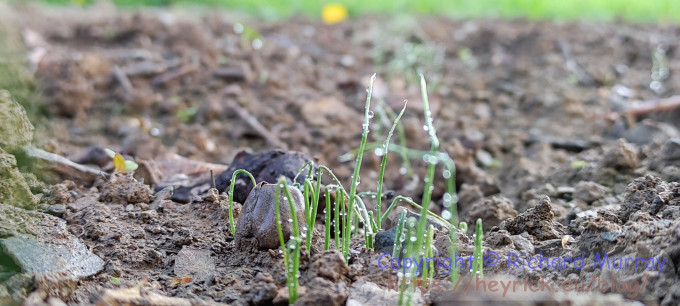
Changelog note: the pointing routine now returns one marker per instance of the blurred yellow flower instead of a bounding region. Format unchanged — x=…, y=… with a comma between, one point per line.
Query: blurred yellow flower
x=333, y=13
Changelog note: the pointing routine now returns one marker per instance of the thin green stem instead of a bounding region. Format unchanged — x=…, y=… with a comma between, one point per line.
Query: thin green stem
x=357, y=165
x=381, y=176
x=478, y=266
x=231, y=196
x=315, y=207
x=396, y=249
x=327, y=213
x=414, y=204
x=293, y=267
x=336, y=223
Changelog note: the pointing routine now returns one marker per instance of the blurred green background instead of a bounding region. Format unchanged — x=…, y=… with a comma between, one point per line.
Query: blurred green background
x=605, y=10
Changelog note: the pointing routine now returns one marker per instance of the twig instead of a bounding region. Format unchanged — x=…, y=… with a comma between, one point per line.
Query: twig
x=255, y=124
x=646, y=107
x=123, y=79
x=171, y=75
x=212, y=179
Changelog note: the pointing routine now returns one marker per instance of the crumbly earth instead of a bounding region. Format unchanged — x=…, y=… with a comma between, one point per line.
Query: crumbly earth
x=534, y=113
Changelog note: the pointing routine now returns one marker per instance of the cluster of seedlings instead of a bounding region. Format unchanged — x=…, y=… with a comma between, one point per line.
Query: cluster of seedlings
x=414, y=238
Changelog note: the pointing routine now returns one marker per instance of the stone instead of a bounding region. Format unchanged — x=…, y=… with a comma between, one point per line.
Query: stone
x=368, y=293
x=589, y=191
x=258, y=216
x=13, y=187
x=40, y=243
x=15, y=128
x=195, y=263
x=384, y=241
x=56, y=210
x=491, y=210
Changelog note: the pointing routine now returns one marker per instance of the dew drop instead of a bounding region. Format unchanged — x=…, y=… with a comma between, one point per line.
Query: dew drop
x=446, y=214
x=426, y=128
x=370, y=114
x=402, y=170
x=446, y=174
x=155, y=132
x=238, y=28
x=290, y=220
x=257, y=44
x=379, y=152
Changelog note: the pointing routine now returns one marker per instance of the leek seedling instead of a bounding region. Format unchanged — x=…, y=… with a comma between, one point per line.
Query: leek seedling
x=291, y=257
x=232, y=224
x=478, y=263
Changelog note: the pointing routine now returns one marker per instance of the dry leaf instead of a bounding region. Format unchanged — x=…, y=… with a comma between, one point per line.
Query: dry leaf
x=180, y=280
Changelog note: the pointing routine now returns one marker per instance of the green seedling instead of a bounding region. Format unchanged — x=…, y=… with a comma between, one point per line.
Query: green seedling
x=399, y=235
x=291, y=253
x=478, y=262
x=120, y=163
x=115, y=280
x=383, y=152
x=232, y=224
x=463, y=227
x=327, y=214
x=428, y=273
x=186, y=115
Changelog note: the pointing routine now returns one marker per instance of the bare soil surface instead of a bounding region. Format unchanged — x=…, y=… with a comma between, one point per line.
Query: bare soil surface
x=565, y=138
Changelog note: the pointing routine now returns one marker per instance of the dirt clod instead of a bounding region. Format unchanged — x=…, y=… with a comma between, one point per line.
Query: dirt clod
x=125, y=189
x=538, y=222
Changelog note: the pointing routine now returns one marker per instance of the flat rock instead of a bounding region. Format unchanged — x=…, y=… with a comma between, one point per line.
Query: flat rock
x=368, y=293
x=196, y=263
x=40, y=243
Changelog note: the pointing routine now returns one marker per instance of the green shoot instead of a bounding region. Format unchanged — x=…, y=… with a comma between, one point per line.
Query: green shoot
x=292, y=263
x=401, y=132
x=463, y=227
x=478, y=262
x=411, y=250
x=231, y=196
x=327, y=213
x=315, y=207
x=357, y=167
x=428, y=273
x=339, y=203
x=399, y=235
x=414, y=204
x=384, y=151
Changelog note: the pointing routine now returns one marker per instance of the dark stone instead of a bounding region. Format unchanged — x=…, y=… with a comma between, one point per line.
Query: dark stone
x=384, y=241
x=265, y=167
x=56, y=210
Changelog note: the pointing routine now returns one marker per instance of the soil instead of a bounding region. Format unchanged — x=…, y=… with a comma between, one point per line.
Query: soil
x=539, y=116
